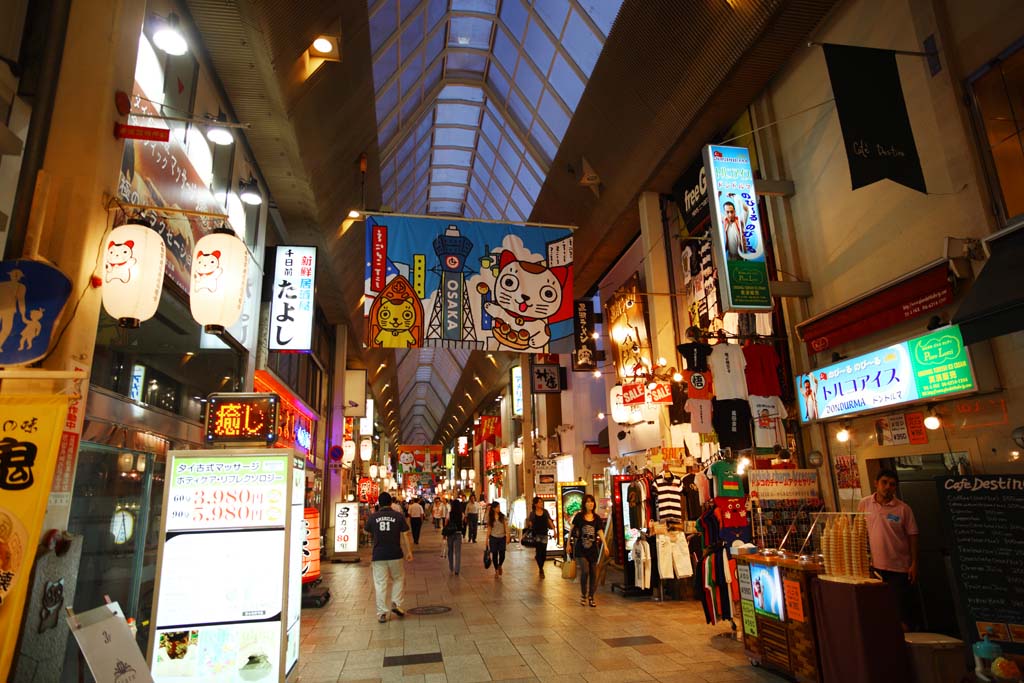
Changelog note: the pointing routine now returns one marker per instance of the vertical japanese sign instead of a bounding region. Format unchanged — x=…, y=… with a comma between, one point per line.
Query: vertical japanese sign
x=346, y=527
x=736, y=230
x=30, y=434
x=584, y=355
x=291, y=309
x=517, y=390
x=628, y=330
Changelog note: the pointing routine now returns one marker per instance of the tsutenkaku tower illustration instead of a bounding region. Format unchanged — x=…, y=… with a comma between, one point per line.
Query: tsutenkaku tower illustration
x=451, y=319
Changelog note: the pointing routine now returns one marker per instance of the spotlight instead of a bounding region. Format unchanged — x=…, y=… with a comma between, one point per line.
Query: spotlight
x=353, y=214
x=600, y=416
x=168, y=37
x=677, y=377
x=219, y=135
x=932, y=421
x=843, y=435
x=322, y=45
x=621, y=435
x=249, y=191
x=597, y=374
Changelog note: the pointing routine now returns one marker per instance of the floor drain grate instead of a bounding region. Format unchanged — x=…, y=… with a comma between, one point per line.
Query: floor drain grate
x=427, y=610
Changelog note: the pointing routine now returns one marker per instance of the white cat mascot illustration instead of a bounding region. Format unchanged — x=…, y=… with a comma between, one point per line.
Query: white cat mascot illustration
x=526, y=295
x=119, y=261
x=207, y=271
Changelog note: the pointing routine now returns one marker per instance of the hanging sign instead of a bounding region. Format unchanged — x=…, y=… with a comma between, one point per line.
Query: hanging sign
x=584, y=355
x=628, y=330
x=467, y=284
x=346, y=527
x=783, y=484
x=936, y=364
x=546, y=378
x=517, y=390
x=736, y=230
x=291, y=308
x=367, y=491
x=32, y=298
x=239, y=418
x=30, y=432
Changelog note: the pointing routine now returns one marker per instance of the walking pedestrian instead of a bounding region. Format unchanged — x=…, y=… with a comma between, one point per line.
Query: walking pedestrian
x=390, y=536
x=538, y=524
x=497, y=536
x=454, y=524
x=585, y=543
x=416, y=519
x=439, y=511
x=472, y=517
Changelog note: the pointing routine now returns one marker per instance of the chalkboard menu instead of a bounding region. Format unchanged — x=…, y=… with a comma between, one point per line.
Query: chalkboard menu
x=984, y=521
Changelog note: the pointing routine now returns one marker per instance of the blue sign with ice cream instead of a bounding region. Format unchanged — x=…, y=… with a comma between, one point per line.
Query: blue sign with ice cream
x=32, y=298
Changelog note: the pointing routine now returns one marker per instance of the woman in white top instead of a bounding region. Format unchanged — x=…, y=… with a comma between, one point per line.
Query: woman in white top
x=497, y=536
x=440, y=511
x=472, y=512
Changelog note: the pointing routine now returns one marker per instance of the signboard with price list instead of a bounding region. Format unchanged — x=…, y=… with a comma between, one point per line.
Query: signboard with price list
x=228, y=511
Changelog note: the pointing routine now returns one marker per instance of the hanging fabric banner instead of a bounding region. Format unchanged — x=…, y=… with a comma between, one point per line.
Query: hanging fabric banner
x=450, y=282
x=873, y=116
x=584, y=355
x=30, y=432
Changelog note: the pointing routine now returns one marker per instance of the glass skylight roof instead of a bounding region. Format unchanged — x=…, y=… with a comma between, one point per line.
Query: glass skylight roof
x=473, y=97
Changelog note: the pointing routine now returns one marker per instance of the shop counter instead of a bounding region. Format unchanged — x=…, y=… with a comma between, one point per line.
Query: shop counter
x=778, y=616
x=859, y=633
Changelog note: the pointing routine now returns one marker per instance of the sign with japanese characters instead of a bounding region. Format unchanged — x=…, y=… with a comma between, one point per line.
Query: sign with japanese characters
x=517, y=390
x=584, y=354
x=545, y=378
x=291, y=308
x=736, y=230
x=783, y=484
x=627, y=327
x=467, y=284
x=310, y=545
x=242, y=418
x=934, y=365
x=346, y=527
x=226, y=513
x=30, y=432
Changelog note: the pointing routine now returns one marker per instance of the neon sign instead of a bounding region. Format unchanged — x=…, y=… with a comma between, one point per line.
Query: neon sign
x=242, y=418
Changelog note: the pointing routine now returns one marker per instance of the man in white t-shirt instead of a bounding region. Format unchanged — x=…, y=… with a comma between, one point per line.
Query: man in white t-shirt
x=439, y=511
x=415, y=519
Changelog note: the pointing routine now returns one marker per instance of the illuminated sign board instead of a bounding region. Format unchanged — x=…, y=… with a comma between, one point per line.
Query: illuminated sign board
x=242, y=418
x=227, y=511
x=291, y=308
x=138, y=382
x=310, y=545
x=463, y=442
x=932, y=366
x=517, y=390
x=346, y=527
x=366, y=423
x=736, y=230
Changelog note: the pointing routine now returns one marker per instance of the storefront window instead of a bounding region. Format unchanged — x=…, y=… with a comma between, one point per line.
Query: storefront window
x=162, y=364
x=999, y=105
x=116, y=507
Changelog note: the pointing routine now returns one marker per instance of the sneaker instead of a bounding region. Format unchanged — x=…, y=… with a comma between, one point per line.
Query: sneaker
x=397, y=610
x=382, y=618
x=592, y=603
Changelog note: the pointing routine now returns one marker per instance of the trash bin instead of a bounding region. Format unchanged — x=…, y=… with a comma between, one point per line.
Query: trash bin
x=936, y=658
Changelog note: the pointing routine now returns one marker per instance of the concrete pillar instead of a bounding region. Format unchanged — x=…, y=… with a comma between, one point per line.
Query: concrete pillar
x=337, y=479
x=527, y=468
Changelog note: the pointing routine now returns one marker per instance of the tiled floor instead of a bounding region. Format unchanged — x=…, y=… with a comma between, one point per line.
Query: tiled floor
x=517, y=627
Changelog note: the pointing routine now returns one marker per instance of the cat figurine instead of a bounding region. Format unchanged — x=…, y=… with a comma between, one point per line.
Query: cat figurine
x=526, y=295
x=119, y=261
x=396, y=319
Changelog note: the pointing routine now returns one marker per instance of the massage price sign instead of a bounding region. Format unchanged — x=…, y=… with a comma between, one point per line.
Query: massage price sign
x=931, y=366
x=216, y=492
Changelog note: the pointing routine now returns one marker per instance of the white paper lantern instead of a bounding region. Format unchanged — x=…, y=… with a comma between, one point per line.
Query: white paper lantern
x=365, y=449
x=220, y=264
x=462, y=474
x=348, y=450
x=472, y=475
x=133, y=273
x=373, y=471
x=517, y=455
x=506, y=456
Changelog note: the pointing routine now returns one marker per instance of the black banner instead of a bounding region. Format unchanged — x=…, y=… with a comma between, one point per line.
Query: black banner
x=873, y=116
x=584, y=355
x=691, y=194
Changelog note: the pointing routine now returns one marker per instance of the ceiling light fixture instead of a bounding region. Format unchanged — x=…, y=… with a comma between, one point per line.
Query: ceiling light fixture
x=169, y=37
x=932, y=422
x=249, y=191
x=217, y=132
x=322, y=44
x=354, y=214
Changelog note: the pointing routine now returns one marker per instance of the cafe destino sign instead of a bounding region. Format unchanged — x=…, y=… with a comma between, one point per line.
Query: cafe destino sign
x=931, y=366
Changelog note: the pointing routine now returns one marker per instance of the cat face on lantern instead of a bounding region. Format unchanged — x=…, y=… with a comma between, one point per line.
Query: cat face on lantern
x=119, y=260
x=207, y=270
x=526, y=295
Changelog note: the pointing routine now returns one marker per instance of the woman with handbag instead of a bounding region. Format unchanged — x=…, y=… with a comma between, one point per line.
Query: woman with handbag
x=497, y=536
x=454, y=524
x=536, y=533
x=585, y=543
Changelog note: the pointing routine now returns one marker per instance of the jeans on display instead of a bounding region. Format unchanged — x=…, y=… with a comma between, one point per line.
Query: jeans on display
x=416, y=523
x=473, y=524
x=382, y=570
x=587, y=569
x=497, y=550
x=454, y=552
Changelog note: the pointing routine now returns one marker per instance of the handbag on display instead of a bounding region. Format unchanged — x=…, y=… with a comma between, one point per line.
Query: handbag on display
x=569, y=570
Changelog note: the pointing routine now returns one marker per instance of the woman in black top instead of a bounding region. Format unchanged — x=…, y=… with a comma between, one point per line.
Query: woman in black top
x=538, y=525
x=585, y=543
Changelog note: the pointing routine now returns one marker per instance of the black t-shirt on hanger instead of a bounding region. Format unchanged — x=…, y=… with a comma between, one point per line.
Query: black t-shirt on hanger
x=691, y=494
x=696, y=355
x=731, y=419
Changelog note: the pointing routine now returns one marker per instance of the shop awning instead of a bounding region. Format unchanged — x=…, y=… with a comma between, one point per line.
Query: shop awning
x=994, y=306
x=913, y=295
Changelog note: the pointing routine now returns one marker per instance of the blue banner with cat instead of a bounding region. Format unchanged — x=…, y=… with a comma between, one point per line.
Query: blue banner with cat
x=457, y=283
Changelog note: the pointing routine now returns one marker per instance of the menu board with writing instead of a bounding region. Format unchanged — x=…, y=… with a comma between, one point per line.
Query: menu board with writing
x=982, y=518
x=223, y=491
